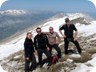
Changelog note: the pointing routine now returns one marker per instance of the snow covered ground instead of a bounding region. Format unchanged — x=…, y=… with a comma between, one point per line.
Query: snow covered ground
x=84, y=66
x=17, y=44
x=1, y=70
x=10, y=48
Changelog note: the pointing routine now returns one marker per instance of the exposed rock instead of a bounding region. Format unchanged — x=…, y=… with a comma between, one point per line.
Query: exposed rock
x=15, y=62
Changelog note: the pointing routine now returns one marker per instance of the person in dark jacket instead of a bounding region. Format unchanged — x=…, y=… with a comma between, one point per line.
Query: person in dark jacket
x=41, y=42
x=29, y=53
x=69, y=36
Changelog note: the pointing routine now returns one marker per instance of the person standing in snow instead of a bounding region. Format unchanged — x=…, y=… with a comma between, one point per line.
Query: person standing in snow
x=69, y=35
x=54, y=40
x=41, y=43
x=29, y=53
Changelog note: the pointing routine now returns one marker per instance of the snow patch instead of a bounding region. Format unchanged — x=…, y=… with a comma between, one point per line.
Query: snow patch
x=82, y=68
x=2, y=70
x=75, y=55
x=13, y=12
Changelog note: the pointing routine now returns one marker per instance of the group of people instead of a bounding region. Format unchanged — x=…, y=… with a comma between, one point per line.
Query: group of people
x=44, y=42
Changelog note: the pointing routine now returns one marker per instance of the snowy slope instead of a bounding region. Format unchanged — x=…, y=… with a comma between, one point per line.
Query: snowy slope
x=1, y=70
x=85, y=68
x=17, y=44
x=10, y=48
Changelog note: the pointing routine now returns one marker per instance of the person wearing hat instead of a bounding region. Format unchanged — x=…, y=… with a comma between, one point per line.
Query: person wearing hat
x=69, y=35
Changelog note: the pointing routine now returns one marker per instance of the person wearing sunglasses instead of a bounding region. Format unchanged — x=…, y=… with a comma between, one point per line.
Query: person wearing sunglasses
x=41, y=43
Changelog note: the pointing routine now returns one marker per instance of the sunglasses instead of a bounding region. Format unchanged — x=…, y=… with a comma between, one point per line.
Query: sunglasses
x=38, y=30
x=51, y=29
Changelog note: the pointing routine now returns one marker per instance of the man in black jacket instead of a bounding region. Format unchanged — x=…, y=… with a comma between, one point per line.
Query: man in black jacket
x=29, y=53
x=41, y=43
x=68, y=35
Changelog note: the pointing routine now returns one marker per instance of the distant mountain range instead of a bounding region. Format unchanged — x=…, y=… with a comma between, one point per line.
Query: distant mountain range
x=12, y=21
x=15, y=21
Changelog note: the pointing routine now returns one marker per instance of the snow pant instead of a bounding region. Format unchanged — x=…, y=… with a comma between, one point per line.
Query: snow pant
x=47, y=53
x=30, y=64
x=56, y=47
x=67, y=40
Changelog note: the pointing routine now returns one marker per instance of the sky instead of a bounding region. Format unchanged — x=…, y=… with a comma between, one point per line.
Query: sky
x=50, y=5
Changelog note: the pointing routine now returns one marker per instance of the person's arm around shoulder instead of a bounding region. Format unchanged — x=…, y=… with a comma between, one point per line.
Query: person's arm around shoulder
x=45, y=33
x=59, y=39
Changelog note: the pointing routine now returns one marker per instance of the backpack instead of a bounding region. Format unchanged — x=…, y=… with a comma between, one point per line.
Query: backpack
x=54, y=59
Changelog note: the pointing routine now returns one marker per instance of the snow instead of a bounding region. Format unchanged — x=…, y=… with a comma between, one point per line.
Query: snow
x=91, y=39
x=82, y=68
x=62, y=70
x=87, y=29
x=10, y=48
x=60, y=21
x=92, y=62
x=93, y=69
x=75, y=55
x=94, y=55
x=17, y=44
x=1, y=69
x=13, y=12
x=69, y=60
x=85, y=68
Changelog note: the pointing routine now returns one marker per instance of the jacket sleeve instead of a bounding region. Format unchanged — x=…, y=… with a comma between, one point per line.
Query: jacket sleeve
x=33, y=48
x=61, y=27
x=26, y=49
x=74, y=27
x=25, y=46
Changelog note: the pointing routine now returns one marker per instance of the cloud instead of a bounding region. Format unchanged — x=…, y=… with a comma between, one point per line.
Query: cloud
x=94, y=2
x=2, y=1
